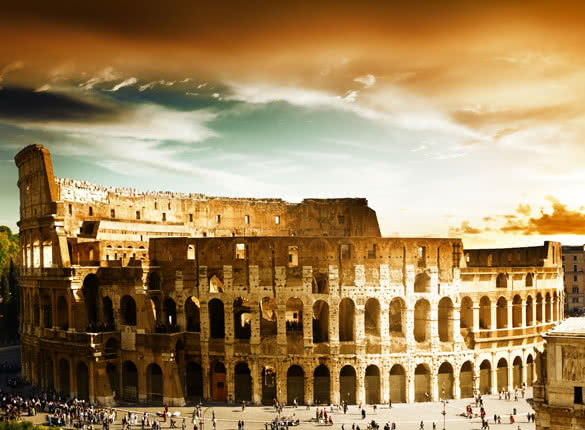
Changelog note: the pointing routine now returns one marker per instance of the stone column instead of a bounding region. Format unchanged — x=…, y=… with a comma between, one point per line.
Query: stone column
x=494, y=379
x=308, y=387
x=456, y=381
x=256, y=371
x=456, y=324
x=307, y=325
x=385, y=327
x=335, y=387
x=534, y=311
x=476, y=317
x=70, y=313
x=409, y=329
x=435, y=389
x=510, y=314
x=228, y=312
x=92, y=376
x=410, y=384
x=230, y=380
x=385, y=379
x=360, y=378
x=510, y=370
x=54, y=317
x=434, y=326
x=524, y=371
x=523, y=322
x=206, y=375
x=494, y=316
x=281, y=325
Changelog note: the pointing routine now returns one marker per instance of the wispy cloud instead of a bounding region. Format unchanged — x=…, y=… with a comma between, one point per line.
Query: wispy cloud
x=126, y=83
x=368, y=80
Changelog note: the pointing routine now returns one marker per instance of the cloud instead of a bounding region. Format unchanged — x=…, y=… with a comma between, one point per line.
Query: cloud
x=464, y=229
x=159, y=82
x=42, y=88
x=126, y=83
x=367, y=80
x=11, y=67
x=27, y=105
x=524, y=209
x=561, y=221
x=105, y=75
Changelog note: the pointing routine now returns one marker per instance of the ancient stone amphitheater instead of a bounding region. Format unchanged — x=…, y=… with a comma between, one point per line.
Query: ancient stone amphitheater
x=163, y=297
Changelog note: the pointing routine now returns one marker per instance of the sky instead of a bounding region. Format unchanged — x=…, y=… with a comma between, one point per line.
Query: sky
x=454, y=119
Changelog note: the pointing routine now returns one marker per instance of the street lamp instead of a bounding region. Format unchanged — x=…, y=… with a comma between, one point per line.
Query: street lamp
x=444, y=402
x=202, y=417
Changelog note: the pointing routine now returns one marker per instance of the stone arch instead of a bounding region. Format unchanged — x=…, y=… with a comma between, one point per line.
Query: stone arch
x=62, y=313
x=243, y=382
x=466, y=380
x=154, y=383
x=502, y=313
x=445, y=315
x=517, y=311
x=242, y=318
x=194, y=381
x=422, y=283
x=268, y=319
x=269, y=385
x=529, y=312
x=320, y=321
x=346, y=317
x=321, y=385
x=320, y=284
x=294, y=317
x=372, y=385
x=347, y=384
x=539, y=309
x=485, y=381
x=422, y=310
x=90, y=296
x=82, y=376
x=529, y=280
x=170, y=312
x=548, y=308
x=397, y=384
x=502, y=374
x=218, y=382
x=517, y=372
x=372, y=318
x=113, y=375
x=529, y=370
x=466, y=321
x=47, y=308
x=502, y=281
x=446, y=381
x=64, y=381
x=108, y=313
x=295, y=384
x=193, y=314
x=154, y=281
x=397, y=317
x=216, y=319
x=422, y=383
x=555, y=307
x=128, y=310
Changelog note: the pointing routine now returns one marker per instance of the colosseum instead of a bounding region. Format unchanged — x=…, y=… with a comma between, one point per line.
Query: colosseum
x=172, y=298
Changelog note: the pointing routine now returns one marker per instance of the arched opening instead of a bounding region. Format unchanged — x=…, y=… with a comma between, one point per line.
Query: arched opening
x=108, y=314
x=502, y=313
x=216, y=319
x=218, y=382
x=64, y=387
x=346, y=320
x=396, y=317
x=485, y=381
x=294, y=317
x=446, y=381
x=529, y=370
x=243, y=382
x=529, y=312
x=548, y=308
x=347, y=385
x=539, y=308
x=194, y=381
x=320, y=283
x=90, y=296
x=320, y=321
x=82, y=381
x=372, y=385
x=242, y=318
x=50, y=383
x=47, y=307
x=268, y=320
x=153, y=281
x=502, y=281
x=295, y=384
x=422, y=384
x=154, y=383
x=113, y=380
x=466, y=380
x=62, y=313
x=321, y=385
x=128, y=310
x=112, y=348
x=502, y=374
x=129, y=382
x=466, y=321
x=190, y=252
x=372, y=318
x=445, y=320
x=422, y=320
x=156, y=312
x=529, y=280
x=422, y=283
x=193, y=314
x=555, y=307
x=517, y=311
x=269, y=385
x=170, y=313
x=517, y=372
x=397, y=384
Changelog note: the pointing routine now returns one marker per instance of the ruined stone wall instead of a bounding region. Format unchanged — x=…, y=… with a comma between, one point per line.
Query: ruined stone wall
x=547, y=255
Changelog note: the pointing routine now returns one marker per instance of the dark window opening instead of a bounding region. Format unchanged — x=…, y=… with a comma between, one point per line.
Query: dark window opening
x=578, y=396
x=70, y=210
x=112, y=213
x=137, y=214
x=164, y=216
x=190, y=217
x=341, y=219
x=218, y=219
x=372, y=251
x=90, y=211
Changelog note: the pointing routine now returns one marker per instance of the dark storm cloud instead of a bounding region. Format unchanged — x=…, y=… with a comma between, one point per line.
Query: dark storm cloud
x=24, y=104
